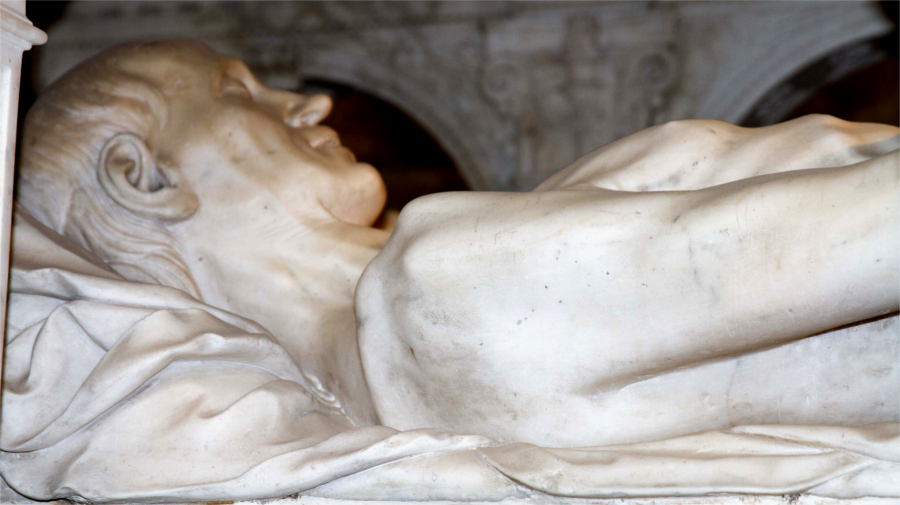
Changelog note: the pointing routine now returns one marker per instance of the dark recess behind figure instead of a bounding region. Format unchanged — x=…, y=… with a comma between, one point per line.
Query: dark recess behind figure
x=410, y=160
x=41, y=15
x=871, y=94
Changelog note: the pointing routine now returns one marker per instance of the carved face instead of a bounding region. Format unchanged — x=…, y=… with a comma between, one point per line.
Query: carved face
x=238, y=143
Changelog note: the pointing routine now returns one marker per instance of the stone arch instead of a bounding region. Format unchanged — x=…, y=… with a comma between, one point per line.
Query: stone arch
x=824, y=29
x=780, y=100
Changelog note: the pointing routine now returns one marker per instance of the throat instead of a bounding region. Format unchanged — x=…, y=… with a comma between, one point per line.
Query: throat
x=300, y=287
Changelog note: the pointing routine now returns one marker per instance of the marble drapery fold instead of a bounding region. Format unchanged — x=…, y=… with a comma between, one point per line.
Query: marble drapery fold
x=116, y=390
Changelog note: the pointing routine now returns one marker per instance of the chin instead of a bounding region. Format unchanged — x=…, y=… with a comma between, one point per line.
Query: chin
x=359, y=201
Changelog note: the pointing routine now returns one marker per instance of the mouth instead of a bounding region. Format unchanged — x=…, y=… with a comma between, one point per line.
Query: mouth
x=343, y=153
x=324, y=138
x=326, y=141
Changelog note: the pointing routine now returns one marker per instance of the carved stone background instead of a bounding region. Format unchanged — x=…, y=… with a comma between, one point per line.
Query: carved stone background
x=513, y=91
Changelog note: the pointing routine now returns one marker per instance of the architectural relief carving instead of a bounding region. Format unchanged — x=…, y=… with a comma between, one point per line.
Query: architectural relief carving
x=569, y=91
x=513, y=91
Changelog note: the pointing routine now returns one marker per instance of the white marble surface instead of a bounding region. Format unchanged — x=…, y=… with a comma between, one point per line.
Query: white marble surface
x=163, y=398
x=194, y=242
x=12, y=498
x=660, y=286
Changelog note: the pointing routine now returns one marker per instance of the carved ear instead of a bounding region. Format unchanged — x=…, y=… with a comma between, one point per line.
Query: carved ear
x=132, y=177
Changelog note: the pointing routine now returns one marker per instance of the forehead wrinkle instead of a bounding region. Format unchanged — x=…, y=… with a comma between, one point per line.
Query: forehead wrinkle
x=173, y=75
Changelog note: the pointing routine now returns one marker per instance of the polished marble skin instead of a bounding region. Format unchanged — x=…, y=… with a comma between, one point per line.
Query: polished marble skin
x=662, y=285
x=695, y=309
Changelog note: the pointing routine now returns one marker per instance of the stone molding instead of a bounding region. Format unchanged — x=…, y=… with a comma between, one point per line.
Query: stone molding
x=18, y=35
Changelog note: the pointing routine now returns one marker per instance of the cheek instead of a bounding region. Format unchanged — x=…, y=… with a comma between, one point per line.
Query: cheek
x=228, y=177
x=234, y=165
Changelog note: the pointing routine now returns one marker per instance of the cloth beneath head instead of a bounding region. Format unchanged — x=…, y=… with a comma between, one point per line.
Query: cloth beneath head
x=115, y=390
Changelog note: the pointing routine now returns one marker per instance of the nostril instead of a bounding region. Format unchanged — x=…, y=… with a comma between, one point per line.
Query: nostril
x=294, y=116
x=315, y=109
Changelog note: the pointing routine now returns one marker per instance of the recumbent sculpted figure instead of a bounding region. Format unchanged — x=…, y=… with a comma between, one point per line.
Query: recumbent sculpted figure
x=181, y=324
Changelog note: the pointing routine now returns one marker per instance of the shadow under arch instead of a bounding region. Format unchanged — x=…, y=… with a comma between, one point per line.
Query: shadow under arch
x=843, y=83
x=407, y=97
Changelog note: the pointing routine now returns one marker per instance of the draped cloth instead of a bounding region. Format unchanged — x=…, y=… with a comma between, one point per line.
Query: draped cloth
x=116, y=390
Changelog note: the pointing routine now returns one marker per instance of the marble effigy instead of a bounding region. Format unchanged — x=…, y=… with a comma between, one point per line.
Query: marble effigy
x=189, y=247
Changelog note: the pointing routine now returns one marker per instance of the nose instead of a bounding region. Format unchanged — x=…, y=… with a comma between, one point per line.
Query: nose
x=308, y=111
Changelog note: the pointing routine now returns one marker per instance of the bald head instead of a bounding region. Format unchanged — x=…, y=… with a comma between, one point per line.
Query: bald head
x=120, y=91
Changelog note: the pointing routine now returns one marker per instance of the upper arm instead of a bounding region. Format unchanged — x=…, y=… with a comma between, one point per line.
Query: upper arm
x=696, y=154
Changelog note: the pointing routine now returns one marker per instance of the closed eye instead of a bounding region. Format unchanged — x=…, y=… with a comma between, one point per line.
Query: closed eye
x=235, y=87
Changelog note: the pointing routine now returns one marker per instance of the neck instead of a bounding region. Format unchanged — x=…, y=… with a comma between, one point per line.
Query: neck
x=298, y=282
